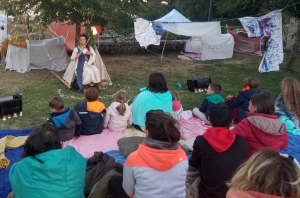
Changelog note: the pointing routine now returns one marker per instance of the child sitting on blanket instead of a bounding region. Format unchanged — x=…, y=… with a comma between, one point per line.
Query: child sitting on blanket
x=241, y=101
x=91, y=112
x=217, y=154
x=176, y=105
x=262, y=128
x=212, y=98
x=267, y=174
x=66, y=121
x=118, y=115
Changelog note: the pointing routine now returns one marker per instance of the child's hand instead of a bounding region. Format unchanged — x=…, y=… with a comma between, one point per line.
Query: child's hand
x=229, y=97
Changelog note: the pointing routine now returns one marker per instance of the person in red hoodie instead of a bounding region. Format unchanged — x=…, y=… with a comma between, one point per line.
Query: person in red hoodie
x=262, y=127
x=218, y=153
x=266, y=174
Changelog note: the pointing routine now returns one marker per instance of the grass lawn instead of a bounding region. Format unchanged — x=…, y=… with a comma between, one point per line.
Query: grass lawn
x=130, y=72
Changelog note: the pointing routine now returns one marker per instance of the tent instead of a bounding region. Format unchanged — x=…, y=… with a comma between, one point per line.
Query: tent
x=209, y=43
x=38, y=54
x=69, y=32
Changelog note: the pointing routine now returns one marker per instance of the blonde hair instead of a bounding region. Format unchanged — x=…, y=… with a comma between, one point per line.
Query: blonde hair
x=252, y=82
x=270, y=173
x=175, y=95
x=120, y=97
x=291, y=94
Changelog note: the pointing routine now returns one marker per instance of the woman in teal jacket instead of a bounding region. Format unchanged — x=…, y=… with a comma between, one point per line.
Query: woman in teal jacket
x=47, y=170
x=156, y=96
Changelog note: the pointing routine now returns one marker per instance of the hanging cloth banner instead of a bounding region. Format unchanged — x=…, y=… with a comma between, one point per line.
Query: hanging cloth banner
x=145, y=34
x=267, y=25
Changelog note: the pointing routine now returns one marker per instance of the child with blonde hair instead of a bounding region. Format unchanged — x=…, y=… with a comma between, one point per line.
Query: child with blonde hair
x=118, y=115
x=267, y=174
x=176, y=105
x=288, y=102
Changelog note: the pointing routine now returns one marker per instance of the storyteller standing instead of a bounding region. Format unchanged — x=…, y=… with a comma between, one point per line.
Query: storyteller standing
x=82, y=65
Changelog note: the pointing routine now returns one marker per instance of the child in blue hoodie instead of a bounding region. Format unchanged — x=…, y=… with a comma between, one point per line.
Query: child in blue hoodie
x=211, y=98
x=67, y=121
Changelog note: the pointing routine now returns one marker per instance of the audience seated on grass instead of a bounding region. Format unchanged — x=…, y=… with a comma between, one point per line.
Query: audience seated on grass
x=241, y=101
x=262, y=127
x=47, y=170
x=156, y=96
x=91, y=113
x=266, y=174
x=211, y=98
x=118, y=115
x=158, y=167
x=288, y=101
x=67, y=121
x=217, y=154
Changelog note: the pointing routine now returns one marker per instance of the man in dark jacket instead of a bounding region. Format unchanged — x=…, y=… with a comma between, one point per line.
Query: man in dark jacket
x=218, y=153
x=91, y=113
x=66, y=121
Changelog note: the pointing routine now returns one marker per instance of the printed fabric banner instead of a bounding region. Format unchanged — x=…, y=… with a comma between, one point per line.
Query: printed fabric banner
x=267, y=25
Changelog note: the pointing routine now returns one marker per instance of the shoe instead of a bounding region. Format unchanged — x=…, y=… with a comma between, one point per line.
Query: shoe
x=129, y=102
x=98, y=86
x=85, y=87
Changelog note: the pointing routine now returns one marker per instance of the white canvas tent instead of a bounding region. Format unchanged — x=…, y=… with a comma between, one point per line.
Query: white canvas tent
x=39, y=54
x=173, y=17
x=210, y=43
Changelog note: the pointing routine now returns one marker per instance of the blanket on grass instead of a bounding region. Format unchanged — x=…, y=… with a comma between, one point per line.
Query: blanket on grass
x=86, y=145
x=13, y=155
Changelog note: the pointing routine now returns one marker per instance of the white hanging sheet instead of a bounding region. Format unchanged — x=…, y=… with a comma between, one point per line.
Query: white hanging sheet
x=219, y=47
x=145, y=34
x=17, y=59
x=267, y=25
x=198, y=29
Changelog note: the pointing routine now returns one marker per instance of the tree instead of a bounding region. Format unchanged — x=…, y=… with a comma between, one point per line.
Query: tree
x=79, y=12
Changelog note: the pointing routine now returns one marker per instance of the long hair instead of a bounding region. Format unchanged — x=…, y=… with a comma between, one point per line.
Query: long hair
x=268, y=172
x=157, y=83
x=162, y=127
x=43, y=138
x=87, y=38
x=291, y=94
x=120, y=97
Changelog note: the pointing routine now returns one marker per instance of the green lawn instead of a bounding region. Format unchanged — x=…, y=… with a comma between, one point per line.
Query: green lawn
x=130, y=72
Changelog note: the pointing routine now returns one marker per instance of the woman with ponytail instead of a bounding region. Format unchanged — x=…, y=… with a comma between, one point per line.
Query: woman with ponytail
x=159, y=166
x=118, y=116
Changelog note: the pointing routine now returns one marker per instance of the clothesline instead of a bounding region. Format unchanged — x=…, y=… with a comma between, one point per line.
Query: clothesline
x=255, y=15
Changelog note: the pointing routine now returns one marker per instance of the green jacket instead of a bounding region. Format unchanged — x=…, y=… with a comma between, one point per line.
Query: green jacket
x=57, y=173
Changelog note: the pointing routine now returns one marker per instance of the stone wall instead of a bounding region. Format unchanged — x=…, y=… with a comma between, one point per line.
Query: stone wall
x=133, y=47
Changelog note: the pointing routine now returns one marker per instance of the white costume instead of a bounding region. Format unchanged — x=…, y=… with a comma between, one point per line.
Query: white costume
x=91, y=74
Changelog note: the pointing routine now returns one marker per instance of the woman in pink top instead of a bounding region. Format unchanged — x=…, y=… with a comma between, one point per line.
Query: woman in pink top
x=118, y=115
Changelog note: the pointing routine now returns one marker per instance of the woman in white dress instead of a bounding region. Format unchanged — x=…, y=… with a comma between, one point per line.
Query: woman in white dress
x=82, y=64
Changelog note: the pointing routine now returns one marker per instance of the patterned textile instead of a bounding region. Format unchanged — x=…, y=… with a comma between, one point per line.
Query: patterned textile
x=267, y=25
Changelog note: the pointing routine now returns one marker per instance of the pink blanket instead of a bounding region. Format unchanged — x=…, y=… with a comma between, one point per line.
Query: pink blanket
x=86, y=145
x=192, y=128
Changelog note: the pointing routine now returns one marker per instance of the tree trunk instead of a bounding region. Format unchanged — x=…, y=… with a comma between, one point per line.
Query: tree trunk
x=295, y=49
x=78, y=28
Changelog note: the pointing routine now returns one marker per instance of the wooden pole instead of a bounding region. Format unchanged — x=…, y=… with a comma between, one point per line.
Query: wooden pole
x=60, y=79
x=162, y=53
